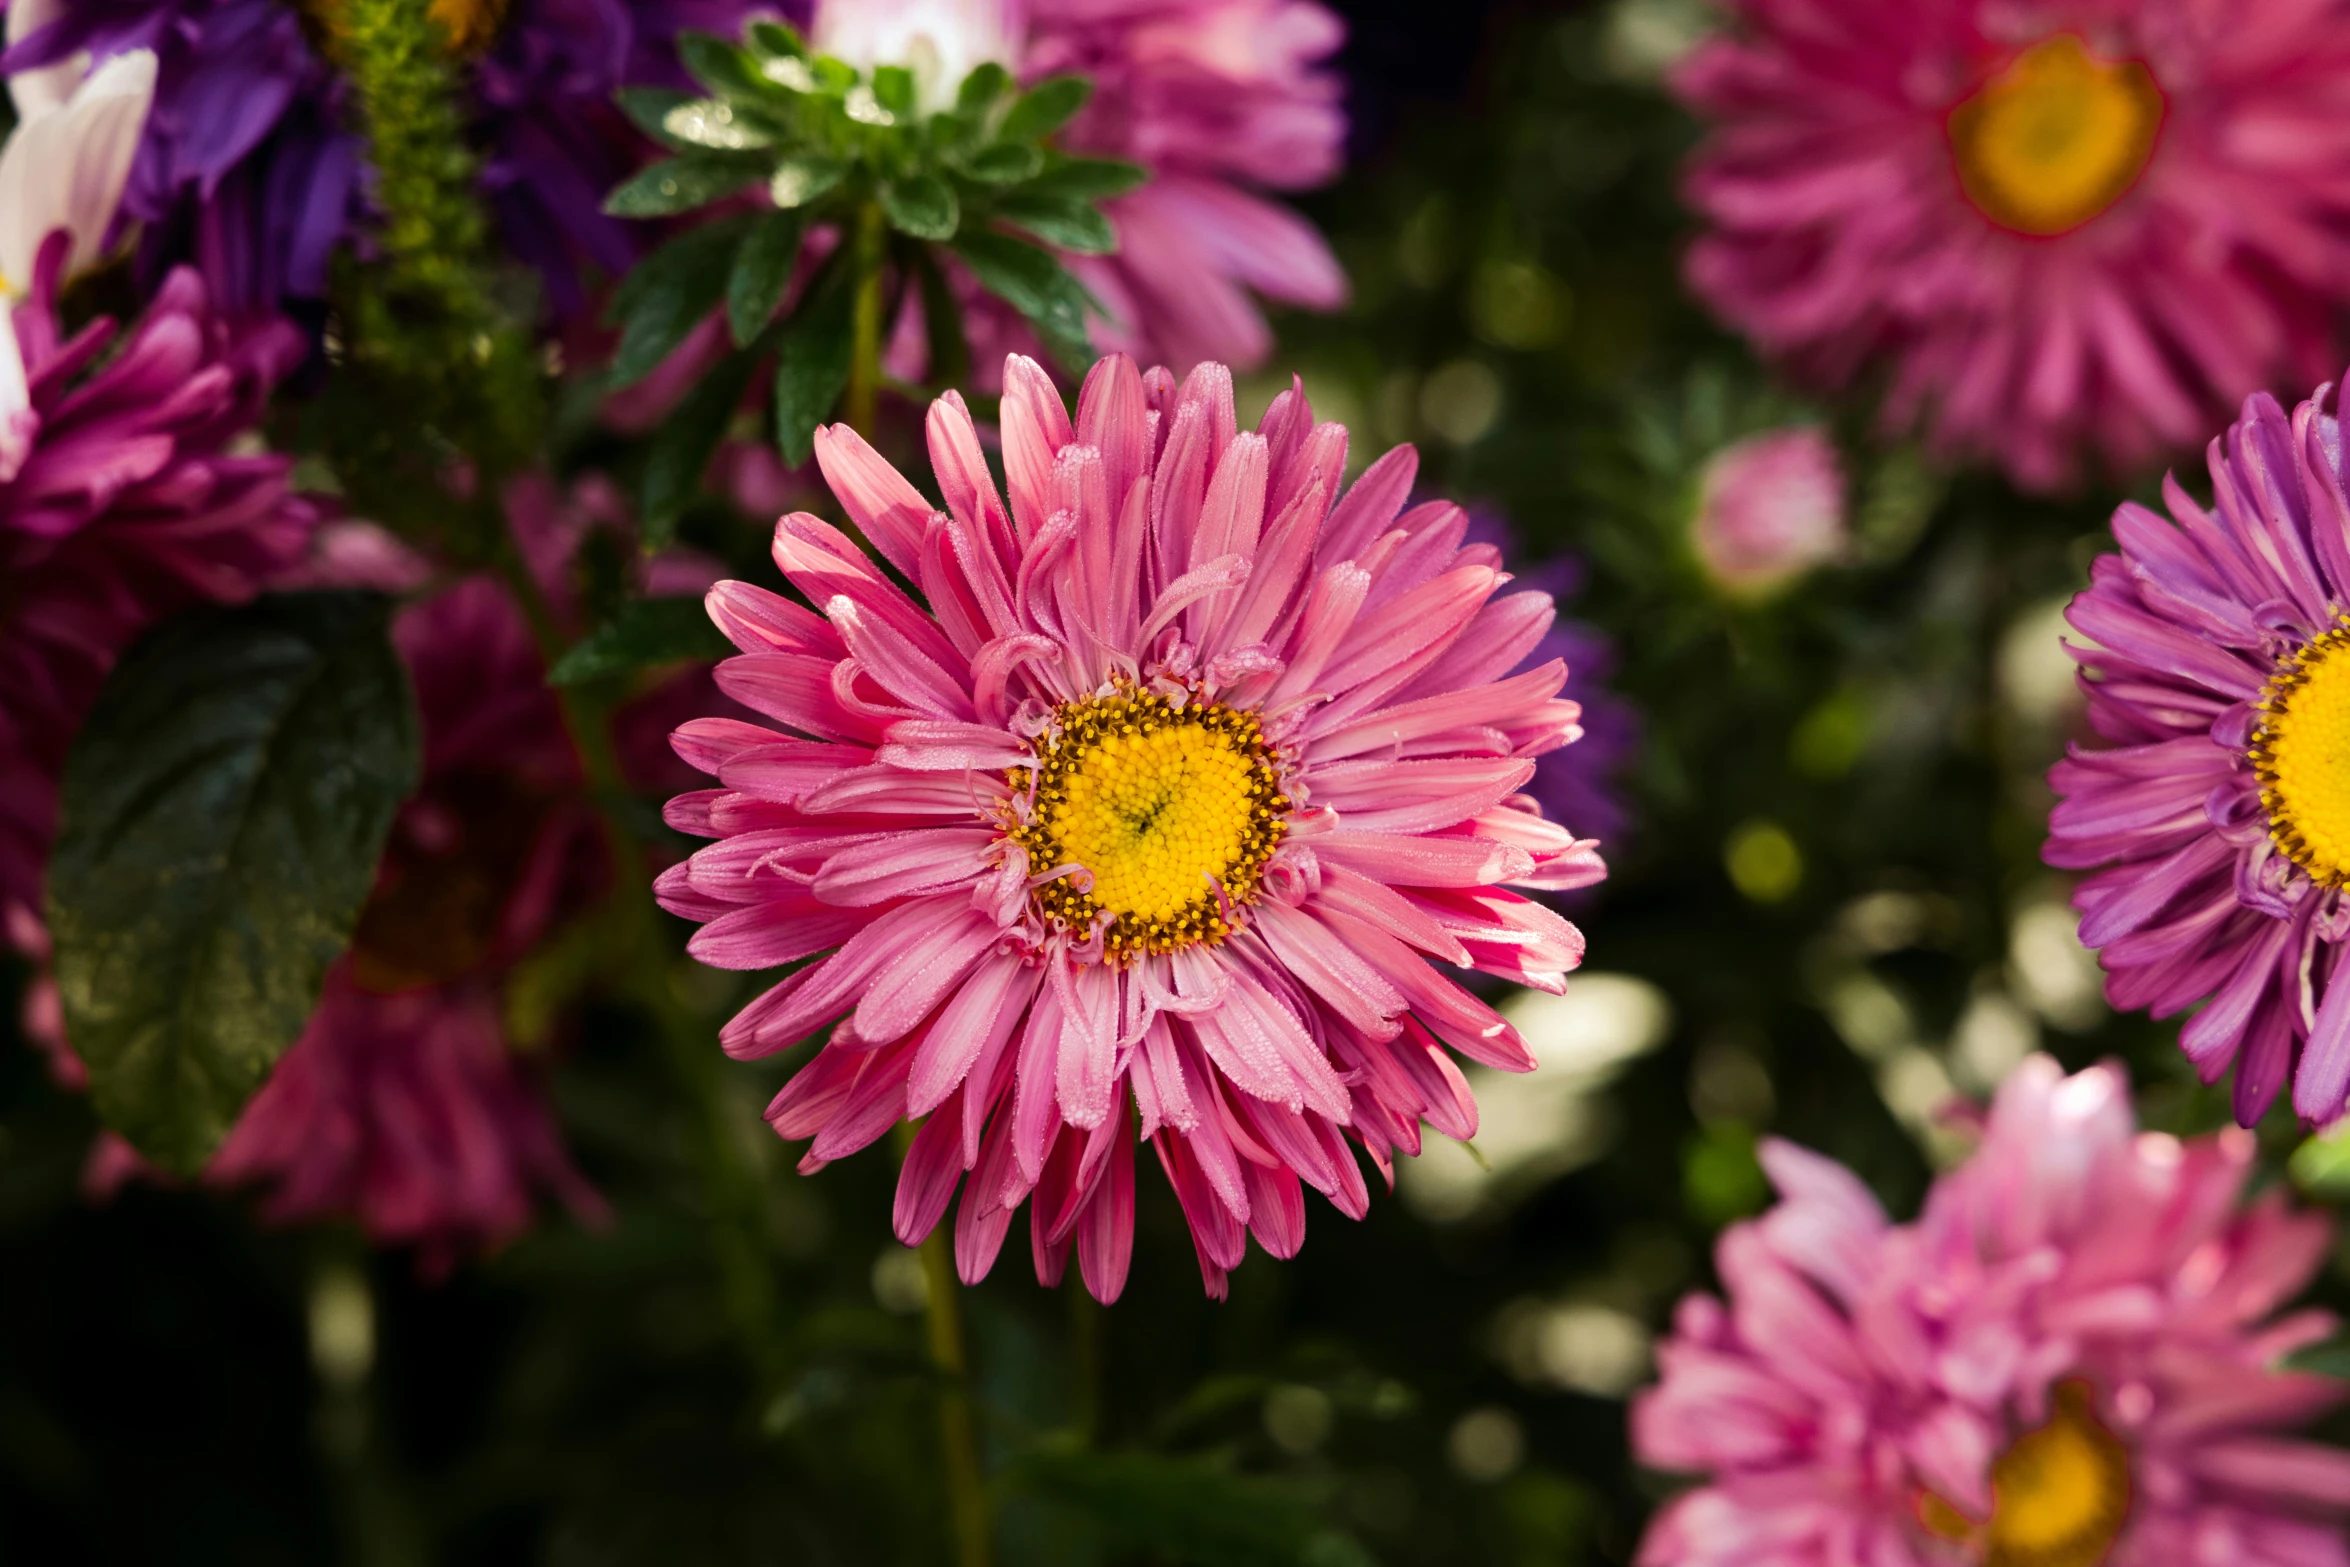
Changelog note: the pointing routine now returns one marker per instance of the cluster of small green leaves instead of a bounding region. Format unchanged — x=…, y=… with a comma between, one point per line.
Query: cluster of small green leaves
x=795, y=143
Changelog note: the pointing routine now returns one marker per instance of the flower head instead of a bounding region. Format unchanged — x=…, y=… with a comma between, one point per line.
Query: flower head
x=1146, y=824
x=1769, y=509
x=2071, y=226
x=2217, y=809
x=2070, y=1360
x=124, y=499
x=939, y=41
x=245, y=169
x=65, y=164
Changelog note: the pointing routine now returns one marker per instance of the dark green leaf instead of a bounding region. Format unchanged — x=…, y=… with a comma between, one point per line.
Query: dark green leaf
x=1045, y=108
x=893, y=88
x=942, y=321
x=981, y=89
x=717, y=64
x=762, y=270
x=923, y=206
x=220, y=819
x=668, y=294
x=812, y=368
x=1060, y=221
x=1036, y=285
x=775, y=40
x=1189, y=1511
x=649, y=106
x=1005, y=163
x=682, y=447
x=801, y=181
x=1090, y=179
x=2328, y=1359
x=646, y=633
x=682, y=183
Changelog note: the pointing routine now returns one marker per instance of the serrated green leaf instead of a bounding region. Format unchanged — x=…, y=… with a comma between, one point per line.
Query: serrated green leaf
x=647, y=107
x=717, y=64
x=762, y=271
x=1187, y=1510
x=682, y=183
x=220, y=819
x=1045, y=108
x=1090, y=179
x=980, y=90
x=893, y=85
x=1005, y=163
x=646, y=633
x=923, y=206
x=659, y=304
x=1033, y=283
x=812, y=368
x=1059, y=221
x=803, y=181
x=682, y=447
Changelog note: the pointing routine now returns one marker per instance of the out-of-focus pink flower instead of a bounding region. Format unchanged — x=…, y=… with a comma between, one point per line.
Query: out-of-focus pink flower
x=1145, y=826
x=2070, y=227
x=1769, y=508
x=2070, y=1360
x=127, y=501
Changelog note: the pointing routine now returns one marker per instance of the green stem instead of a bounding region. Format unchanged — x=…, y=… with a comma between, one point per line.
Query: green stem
x=1087, y=1325
x=859, y=404
x=967, y=1500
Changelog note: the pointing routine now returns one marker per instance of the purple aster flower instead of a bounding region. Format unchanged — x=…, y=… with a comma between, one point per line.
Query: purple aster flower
x=246, y=170
x=2220, y=809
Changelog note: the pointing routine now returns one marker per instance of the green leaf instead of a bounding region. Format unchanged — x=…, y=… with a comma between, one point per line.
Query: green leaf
x=220, y=820
x=2330, y=1358
x=1186, y=1510
x=1045, y=108
x=682, y=447
x=717, y=64
x=682, y=183
x=646, y=633
x=942, y=321
x=648, y=108
x=1005, y=163
x=893, y=86
x=714, y=123
x=1070, y=224
x=923, y=205
x=1090, y=179
x=802, y=181
x=762, y=271
x=775, y=40
x=660, y=303
x=2321, y=1165
x=981, y=89
x=812, y=368
x=1036, y=285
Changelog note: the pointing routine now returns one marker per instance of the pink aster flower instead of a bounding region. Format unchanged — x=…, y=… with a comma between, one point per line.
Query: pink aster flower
x=1145, y=823
x=126, y=499
x=2071, y=1360
x=2218, y=809
x=2083, y=224
x=1769, y=509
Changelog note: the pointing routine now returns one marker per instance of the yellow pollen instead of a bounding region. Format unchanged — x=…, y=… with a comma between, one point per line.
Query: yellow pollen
x=2301, y=752
x=2059, y=1494
x=1172, y=810
x=2056, y=137
x=472, y=25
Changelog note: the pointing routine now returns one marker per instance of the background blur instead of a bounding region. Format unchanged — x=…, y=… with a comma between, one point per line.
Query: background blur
x=1827, y=910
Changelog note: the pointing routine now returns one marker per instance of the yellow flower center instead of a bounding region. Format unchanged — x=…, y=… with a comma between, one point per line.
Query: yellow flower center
x=2302, y=753
x=2055, y=138
x=2059, y=1494
x=1173, y=811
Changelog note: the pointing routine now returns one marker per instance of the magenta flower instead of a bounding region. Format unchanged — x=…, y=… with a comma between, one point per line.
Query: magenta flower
x=1219, y=99
x=403, y=1104
x=2039, y=215
x=123, y=498
x=1146, y=826
x=2071, y=1360
x=1769, y=509
x=2219, y=808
